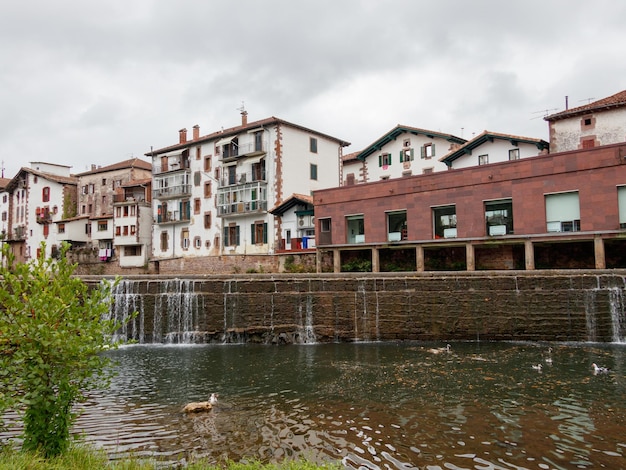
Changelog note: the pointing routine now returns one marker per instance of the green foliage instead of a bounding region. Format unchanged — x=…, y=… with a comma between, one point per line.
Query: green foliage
x=52, y=331
x=357, y=265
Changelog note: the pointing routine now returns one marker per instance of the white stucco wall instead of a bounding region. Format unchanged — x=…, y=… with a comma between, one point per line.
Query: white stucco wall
x=497, y=151
x=609, y=127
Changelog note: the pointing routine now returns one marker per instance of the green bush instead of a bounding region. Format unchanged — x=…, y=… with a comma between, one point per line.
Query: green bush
x=53, y=330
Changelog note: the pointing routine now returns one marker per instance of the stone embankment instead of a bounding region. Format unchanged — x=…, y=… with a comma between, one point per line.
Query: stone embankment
x=433, y=306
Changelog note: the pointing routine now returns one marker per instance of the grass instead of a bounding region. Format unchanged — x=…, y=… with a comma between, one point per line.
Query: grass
x=83, y=458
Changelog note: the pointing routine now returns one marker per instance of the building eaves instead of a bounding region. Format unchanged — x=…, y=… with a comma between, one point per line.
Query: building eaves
x=618, y=100
x=487, y=136
x=131, y=163
x=239, y=129
x=290, y=202
x=49, y=176
x=397, y=131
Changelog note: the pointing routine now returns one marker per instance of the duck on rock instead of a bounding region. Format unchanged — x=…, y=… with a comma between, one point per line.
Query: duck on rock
x=196, y=407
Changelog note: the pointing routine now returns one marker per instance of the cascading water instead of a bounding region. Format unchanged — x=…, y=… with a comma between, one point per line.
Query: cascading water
x=307, y=334
x=127, y=300
x=178, y=301
x=618, y=314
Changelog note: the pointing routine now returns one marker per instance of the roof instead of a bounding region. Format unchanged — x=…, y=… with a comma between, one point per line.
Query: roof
x=351, y=157
x=137, y=182
x=617, y=100
x=290, y=202
x=131, y=163
x=487, y=136
x=4, y=182
x=394, y=133
x=237, y=130
x=49, y=176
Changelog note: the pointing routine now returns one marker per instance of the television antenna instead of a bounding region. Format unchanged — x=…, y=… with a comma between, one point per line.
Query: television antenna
x=544, y=112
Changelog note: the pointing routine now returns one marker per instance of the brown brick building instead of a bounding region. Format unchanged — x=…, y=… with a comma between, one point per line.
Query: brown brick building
x=561, y=210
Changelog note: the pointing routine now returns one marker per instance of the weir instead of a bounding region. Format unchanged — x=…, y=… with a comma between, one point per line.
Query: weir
x=310, y=308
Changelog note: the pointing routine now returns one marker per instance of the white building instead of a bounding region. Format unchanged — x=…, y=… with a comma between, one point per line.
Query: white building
x=297, y=222
x=212, y=193
x=491, y=147
x=403, y=151
x=38, y=197
x=133, y=224
x=602, y=122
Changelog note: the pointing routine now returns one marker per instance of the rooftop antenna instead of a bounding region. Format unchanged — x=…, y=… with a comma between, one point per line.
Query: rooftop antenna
x=242, y=109
x=2, y=168
x=545, y=112
x=588, y=100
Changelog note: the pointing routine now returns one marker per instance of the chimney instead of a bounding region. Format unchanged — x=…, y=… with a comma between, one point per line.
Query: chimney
x=196, y=132
x=182, y=136
x=244, y=117
x=93, y=167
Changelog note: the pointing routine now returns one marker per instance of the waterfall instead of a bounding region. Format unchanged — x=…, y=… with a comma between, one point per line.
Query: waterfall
x=618, y=314
x=179, y=302
x=307, y=332
x=590, y=314
x=126, y=300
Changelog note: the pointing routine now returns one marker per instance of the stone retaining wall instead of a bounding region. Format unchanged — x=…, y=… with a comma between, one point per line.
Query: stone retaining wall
x=273, y=308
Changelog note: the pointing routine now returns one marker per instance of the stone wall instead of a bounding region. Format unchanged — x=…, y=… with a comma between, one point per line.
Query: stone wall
x=537, y=306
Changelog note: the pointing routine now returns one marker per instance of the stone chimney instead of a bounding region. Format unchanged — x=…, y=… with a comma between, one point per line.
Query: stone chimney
x=196, y=132
x=182, y=134
x=244, y=118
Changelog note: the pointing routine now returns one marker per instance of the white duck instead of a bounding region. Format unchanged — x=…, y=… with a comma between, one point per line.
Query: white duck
x=599, y=370
x=537, y=367
x=196, y=407
x=447, y=349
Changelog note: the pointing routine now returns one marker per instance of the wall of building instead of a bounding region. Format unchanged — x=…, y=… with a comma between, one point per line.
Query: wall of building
x=497, y=151
x=605, y=128
x=594, y=173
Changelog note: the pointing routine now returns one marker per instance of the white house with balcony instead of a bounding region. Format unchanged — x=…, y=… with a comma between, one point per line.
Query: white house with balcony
x=403, y=151
x=212, y=193
x=492, y=147
x=132, y=221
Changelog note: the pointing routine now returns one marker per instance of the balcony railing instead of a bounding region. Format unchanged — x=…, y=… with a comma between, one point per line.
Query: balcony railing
x=172, y=217
x=242, y=178
x=241, y=208
x=169, y=192
x=233, y=151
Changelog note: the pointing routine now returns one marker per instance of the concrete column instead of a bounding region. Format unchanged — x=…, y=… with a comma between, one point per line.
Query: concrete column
x=375, y=260
x=419, y=258
x=529, y=255
x=336, y=261
x=598, y=249
x=318, y=261
x=469, y=257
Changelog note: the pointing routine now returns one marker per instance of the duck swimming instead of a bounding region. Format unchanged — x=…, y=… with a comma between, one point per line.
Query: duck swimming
x=196, y=407
x=599, y=370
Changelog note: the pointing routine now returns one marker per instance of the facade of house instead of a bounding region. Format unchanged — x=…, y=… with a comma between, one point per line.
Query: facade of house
x=212, y=193
x=403, y=151
x=492, y=147
x=602, y=122
x=132, y=220
x=100, y=191
x=38, y=197
x=4, y=214
x=297, y=223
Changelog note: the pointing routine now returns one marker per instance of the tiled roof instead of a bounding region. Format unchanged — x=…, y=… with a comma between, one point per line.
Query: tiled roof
x=4, y=182
x=486, y=136
x=131, y=163
x=613, y=101
x=238, y=129
x=280, y=209
x=351, y=157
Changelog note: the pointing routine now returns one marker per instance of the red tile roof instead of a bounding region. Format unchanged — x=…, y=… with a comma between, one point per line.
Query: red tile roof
x=614, y=101
x=131, y=163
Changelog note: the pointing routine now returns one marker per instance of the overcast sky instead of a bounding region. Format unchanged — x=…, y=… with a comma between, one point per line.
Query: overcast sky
x=96, y=82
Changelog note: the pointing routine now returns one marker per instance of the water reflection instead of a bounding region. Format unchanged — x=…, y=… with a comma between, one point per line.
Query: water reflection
x=479, y=406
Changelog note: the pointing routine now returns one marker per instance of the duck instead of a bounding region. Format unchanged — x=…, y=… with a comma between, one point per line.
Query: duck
x=196, y=407
x=548, y=358
x=440, y=350
x=599, y=370
x=537, y=367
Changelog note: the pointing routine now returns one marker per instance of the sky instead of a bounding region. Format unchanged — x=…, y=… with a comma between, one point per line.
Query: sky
x=87, y=82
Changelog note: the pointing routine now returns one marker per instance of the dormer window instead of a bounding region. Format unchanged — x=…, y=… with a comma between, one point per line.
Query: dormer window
x=384, y=159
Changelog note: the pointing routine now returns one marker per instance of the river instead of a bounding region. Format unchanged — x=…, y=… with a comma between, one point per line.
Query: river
x=479, y=405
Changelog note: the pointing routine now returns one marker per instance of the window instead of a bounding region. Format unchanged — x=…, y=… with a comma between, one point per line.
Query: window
x=104, y=181
x=83, y=189
x=207, y=189
x=125, y=211
x=588, y=143
x=499, y=217
x=396, y=226
x=406, y=155
x=164, y=241
x=231, y=235
x=313, y=171
x=483, y=159
x=207, y=163
x=196, y=206
x=88, y=229
x=444, y=221
x=125, y=230
x=184, y=238
x=207, y=220
x=258, y=233
x=621, y=202
x=103, y=226
x=562, y=212
x=61, y=228
x=514, y=154
x=384, y=159
x=104, y=202
x=428, y=171
x=90, y=208
x=132, y=210
x=355, y=229
x=45, y=194
x=428, y=150
x=118, y=231
x=313, y=144
x=133, y=229
x=197, y=242
x=196, y=178
x=133, y=250
x=92, y=188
